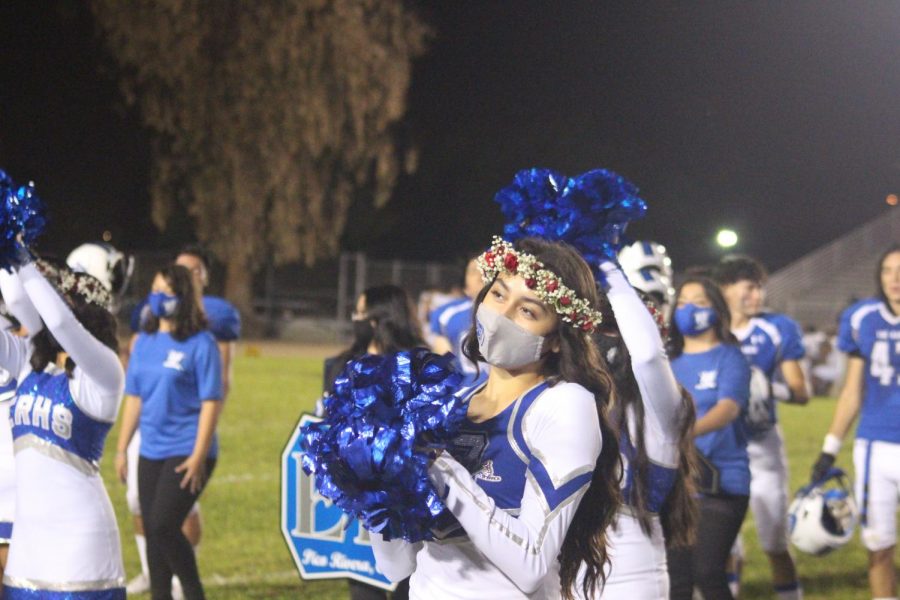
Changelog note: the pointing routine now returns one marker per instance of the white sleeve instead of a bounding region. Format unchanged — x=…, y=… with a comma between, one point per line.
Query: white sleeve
x=18, y=302
x=562, y=432
x=14, y=353
x=656, y=381
x=99, y=363
x=396, y=558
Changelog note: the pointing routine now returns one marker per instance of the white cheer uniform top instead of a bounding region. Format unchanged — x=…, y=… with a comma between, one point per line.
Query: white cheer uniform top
x=526, y=471
x=65, y=541
x=638, y=567
x=7, y=462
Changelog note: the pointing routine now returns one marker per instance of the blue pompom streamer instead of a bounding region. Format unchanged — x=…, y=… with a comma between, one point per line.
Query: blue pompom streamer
x=21, y=212
x=370, y=455
x=590, y=211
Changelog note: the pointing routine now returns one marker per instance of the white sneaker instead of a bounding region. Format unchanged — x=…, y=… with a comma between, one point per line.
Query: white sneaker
x=177, y=592
x=138, y=585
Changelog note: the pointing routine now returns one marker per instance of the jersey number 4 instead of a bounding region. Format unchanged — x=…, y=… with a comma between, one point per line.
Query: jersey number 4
x=881, y=367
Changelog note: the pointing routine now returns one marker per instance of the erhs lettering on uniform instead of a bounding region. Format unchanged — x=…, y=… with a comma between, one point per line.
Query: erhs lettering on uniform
x=41, y=412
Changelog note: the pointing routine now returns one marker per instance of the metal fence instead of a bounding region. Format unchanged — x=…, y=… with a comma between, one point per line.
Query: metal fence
x=326, y=291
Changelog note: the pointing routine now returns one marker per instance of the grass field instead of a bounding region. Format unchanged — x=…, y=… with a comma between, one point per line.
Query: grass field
x=243, y=554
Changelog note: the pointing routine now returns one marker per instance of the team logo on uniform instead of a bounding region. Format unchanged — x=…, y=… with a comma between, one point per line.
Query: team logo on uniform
x=486, y=473
x=468, y=449
x=707, y=380
x=173, y=360
x=701, y=319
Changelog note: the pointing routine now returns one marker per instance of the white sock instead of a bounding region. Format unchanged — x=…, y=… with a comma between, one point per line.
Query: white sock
x=790, y=594
x=141, y=542
x=886, y=598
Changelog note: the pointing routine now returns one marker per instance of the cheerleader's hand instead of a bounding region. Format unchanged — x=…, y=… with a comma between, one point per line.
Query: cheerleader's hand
x=194, y=469
x=122, y=466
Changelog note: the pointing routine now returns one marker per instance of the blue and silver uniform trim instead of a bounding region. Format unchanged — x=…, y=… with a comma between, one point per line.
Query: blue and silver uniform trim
x=44, y=417
x=15, y=588
x=498, y=454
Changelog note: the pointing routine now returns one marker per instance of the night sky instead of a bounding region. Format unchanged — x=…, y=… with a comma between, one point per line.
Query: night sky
x=780, y=120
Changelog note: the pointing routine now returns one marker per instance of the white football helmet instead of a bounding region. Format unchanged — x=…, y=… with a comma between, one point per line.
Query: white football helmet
x=822, y=517
x=760, y=411
x=103, y=262
x=649, y=269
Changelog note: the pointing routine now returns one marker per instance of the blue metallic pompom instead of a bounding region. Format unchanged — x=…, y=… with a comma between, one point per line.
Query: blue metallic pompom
x=370, y=455
x=590, y=211
x=21, y=212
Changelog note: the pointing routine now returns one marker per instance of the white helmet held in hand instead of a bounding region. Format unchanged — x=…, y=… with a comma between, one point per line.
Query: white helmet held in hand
x=103, y=262
x=822, y=517
x=649, y=269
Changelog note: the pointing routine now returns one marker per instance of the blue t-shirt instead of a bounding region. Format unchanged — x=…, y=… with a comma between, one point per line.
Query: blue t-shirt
x=767, y=341
x=172, y=379
x=223, y=318
x=710, y=376
x=870, y=330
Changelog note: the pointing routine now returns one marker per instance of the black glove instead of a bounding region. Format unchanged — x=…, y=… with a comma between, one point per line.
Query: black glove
x=823, y=464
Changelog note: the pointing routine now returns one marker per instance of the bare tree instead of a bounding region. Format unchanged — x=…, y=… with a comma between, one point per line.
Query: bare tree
x=269, y=116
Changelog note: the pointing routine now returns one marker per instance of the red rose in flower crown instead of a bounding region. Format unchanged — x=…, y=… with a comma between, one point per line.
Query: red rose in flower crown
x=546, y=284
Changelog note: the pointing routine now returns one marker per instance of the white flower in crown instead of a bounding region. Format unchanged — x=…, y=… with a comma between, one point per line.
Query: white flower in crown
x=67, y=282
x=502, y=257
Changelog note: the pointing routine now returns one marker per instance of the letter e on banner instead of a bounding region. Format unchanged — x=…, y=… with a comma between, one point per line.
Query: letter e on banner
x=317, y=533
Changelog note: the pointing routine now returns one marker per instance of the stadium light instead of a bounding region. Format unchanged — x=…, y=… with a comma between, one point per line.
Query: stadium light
x=726, y=238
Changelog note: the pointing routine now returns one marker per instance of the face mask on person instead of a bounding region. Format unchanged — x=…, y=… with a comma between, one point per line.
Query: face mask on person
x=694, y=320
x=504, y=344
x=162, y=305
x=363, y=331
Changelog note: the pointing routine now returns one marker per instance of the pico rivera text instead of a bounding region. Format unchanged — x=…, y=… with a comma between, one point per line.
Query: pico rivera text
x=338, y=560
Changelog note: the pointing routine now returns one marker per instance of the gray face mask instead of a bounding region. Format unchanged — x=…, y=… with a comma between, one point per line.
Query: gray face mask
x=504, y=344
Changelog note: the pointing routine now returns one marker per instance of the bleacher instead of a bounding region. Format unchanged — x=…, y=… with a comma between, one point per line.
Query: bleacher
x=815, y=288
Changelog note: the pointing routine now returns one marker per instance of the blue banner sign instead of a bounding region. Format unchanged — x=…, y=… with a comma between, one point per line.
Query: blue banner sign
x=325, y=543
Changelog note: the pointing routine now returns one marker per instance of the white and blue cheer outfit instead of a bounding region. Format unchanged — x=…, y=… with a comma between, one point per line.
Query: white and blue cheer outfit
x=65, y=542
x=7, y=461
x=513, y=494
x=638, y=569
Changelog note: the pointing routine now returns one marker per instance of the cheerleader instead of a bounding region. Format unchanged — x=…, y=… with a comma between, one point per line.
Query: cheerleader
x=65, y=542
x=707, y=361
x=655, y=419
x=531, y=481
x=869, y=333
x=174, y=387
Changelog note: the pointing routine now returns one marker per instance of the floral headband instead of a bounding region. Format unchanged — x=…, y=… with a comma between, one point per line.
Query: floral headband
x=69, y=283
x=503, y=258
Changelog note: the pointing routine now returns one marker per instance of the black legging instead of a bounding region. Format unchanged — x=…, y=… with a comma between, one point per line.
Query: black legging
x=703, y=564
x=164, y=507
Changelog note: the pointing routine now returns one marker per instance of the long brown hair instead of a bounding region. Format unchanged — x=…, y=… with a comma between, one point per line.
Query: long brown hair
x=578, y=361
x=678, y=514
x=189, y=318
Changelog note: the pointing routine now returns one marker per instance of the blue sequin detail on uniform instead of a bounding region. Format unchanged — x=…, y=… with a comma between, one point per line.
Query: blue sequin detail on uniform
x=14, y=593
x=661, y=479
x=64, y=425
